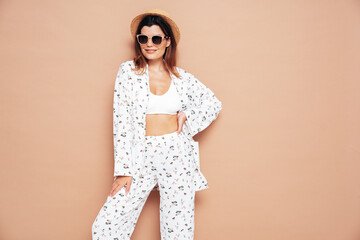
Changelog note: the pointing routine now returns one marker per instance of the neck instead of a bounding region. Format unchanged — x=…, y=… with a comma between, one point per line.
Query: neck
x=157, y=65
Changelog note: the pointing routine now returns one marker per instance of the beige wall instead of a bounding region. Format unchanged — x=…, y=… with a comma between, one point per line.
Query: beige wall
x=282, y=160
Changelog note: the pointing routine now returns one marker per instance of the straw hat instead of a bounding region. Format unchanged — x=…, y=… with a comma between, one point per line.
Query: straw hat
x=135, y=22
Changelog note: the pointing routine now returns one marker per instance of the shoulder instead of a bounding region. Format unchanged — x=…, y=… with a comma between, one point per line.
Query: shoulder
x=124, y=74
x=182, y=71
x=128, y=68
x=125, y=71
x=127, y=65
x=192, y=81
x=186, y=75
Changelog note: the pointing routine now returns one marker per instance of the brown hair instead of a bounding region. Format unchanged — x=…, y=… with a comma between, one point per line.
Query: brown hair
x=170, y=52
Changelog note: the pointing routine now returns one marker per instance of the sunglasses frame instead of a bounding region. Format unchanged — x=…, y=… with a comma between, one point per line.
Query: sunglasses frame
x=148, y=37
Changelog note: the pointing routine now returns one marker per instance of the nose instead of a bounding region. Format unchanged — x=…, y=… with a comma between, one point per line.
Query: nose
x=149, y=42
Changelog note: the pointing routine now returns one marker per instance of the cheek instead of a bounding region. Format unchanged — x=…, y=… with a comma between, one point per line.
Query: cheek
x=162, y=49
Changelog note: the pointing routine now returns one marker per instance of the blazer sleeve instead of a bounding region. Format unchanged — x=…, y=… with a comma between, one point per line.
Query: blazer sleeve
x=204, y=105
x=122, y=124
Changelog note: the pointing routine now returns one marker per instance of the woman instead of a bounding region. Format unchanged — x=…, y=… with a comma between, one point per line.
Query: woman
x=158, y=108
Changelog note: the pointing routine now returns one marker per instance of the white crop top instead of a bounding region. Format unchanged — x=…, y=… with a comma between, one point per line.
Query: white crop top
x=168, y=103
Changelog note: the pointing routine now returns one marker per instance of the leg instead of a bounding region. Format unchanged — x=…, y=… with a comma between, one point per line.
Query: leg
x=177, y=191
x=117, y=218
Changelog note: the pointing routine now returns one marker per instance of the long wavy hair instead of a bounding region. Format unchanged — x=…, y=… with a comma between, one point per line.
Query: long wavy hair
x=169, y=56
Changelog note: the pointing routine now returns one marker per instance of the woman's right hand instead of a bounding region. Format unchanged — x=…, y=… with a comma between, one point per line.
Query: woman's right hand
x=119, y=183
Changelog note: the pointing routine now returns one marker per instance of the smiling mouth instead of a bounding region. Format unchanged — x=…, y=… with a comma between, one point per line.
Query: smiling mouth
x=150, y=50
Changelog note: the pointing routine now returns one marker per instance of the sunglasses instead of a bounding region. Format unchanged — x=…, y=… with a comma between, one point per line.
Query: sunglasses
x=157, y=40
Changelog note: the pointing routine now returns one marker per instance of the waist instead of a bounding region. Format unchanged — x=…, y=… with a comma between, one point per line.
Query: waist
x=160, y=124
x=162, y=138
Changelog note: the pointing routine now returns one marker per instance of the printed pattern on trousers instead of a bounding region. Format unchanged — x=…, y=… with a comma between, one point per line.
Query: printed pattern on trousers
x=168, y=165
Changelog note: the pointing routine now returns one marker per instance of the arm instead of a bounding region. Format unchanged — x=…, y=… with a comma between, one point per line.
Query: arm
x=122, y=125
x=204, y=106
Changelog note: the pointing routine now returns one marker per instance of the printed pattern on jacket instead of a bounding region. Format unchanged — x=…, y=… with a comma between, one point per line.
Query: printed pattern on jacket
x=131, y=97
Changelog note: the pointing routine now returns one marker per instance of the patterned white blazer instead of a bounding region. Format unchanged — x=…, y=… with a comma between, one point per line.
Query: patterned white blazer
x=131, y=97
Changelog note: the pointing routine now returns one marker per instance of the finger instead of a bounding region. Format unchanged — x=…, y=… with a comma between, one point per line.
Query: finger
x=179, y=128
x=113, y=187
x=111, y=190
x=178, y=123
x=181, y=123
x=114, y=190
x=127, y=187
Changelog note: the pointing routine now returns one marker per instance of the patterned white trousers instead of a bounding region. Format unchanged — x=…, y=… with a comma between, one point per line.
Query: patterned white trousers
x=168, y=163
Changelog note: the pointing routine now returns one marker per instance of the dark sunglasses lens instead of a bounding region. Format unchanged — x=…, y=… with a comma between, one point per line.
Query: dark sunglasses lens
x=143, y=39
x=156, y=40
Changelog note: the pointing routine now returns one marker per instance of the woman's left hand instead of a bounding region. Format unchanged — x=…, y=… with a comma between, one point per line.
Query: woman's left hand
x=181, y=117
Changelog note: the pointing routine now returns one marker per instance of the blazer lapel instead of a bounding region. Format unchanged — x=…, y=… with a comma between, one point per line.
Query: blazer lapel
x=181, y=89
x=141, y=101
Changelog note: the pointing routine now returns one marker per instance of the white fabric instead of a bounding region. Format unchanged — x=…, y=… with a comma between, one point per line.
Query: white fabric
x=167, y=103
x=168, y=166
x=131, y=98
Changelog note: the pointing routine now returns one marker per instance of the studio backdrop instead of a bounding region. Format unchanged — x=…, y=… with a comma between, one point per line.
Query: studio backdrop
x=282, y=160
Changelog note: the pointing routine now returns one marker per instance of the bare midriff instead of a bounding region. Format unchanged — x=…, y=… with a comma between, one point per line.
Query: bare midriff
x=160, y=124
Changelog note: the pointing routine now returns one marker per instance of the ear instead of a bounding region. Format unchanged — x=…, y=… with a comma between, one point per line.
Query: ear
x=168, y=42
